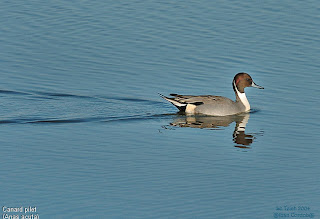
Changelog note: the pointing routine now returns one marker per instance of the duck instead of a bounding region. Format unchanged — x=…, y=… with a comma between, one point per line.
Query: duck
x=216, y=105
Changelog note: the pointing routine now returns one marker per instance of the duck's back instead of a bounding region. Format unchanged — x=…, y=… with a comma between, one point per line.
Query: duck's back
x=209, y=105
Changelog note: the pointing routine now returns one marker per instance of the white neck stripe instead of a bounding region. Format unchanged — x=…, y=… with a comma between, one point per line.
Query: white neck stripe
x=242, y=97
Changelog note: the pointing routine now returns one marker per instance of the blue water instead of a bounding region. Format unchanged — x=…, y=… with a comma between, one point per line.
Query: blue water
x=84, y=133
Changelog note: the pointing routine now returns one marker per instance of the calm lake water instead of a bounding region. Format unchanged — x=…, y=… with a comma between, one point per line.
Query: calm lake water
x=84, y=133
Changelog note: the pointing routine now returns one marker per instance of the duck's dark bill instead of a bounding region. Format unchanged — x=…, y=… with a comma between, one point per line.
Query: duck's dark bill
x=255, y=85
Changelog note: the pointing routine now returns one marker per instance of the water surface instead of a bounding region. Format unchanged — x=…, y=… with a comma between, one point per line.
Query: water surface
x=85, y=134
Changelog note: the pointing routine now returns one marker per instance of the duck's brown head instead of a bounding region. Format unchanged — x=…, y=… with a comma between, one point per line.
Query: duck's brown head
x=243, y=80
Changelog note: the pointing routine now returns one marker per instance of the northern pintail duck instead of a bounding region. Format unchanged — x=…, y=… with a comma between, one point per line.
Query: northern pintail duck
x=216, y=105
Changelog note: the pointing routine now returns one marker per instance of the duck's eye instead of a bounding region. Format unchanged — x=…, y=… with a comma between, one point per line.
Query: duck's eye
x=248, y=79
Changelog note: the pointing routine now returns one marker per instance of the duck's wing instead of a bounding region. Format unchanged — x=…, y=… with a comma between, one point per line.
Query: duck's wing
x=184, y=101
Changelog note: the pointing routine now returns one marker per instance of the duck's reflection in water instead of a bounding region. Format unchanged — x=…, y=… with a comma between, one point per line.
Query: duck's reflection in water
x=241, y=139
